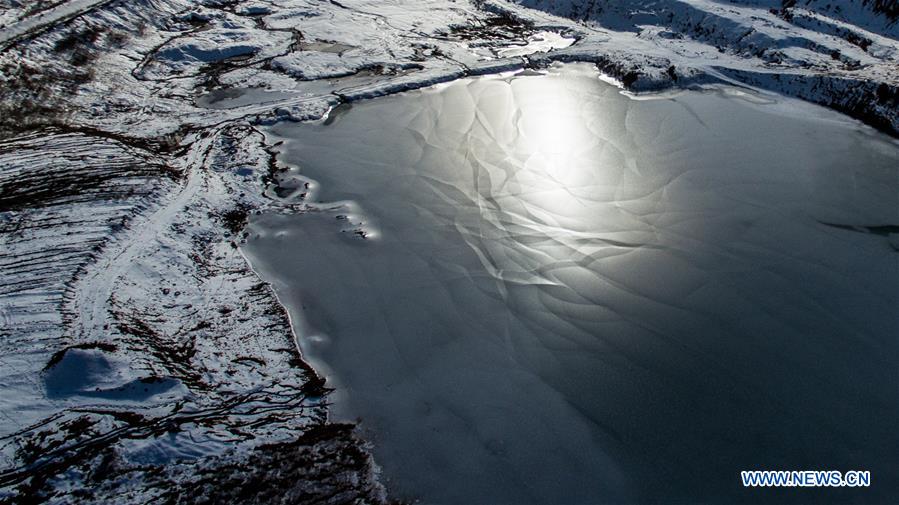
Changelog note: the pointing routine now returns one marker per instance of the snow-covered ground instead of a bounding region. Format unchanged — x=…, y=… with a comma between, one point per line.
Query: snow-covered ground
x=843, y=55
x=139, y=350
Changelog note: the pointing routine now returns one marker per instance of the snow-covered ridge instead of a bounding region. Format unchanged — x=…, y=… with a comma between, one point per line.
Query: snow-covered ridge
x=131, y=162
x=843, y=55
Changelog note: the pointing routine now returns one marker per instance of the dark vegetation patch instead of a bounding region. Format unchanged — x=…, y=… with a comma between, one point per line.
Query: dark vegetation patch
x=35, y=92
x=889, y=8
x=79, y=43
x=83, y=179
x=500, y=26
x=672, y=73
x=629, y=78
x=866, y=110
x=174, y=352
x=858, y=40
x=30, y=7
x=33, y=96
x=235, y=219
x=333, y=462
x=84, y=451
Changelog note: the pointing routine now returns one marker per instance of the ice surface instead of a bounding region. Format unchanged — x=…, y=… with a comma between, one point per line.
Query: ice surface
x=535, y=289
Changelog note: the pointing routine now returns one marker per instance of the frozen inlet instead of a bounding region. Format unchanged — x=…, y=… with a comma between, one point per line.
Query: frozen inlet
x=534, y=289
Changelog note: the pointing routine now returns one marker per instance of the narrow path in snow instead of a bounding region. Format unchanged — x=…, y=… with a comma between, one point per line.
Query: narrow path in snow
x=29, y=25
x=91, y=293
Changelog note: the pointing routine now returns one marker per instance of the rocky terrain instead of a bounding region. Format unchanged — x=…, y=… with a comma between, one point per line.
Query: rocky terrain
x=142, y=360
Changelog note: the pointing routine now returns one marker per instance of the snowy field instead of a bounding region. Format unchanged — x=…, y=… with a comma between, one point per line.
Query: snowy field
x=141, y=359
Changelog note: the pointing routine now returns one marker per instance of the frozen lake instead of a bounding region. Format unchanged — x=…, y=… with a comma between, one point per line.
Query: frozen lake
x=567, y=295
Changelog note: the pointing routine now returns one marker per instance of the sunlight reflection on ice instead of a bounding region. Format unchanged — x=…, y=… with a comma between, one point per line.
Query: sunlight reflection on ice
x=571, y=296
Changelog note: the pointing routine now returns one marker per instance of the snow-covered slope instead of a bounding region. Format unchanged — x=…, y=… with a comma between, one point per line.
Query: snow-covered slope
x=142, y=358
x=140, y=350
x=843, y=55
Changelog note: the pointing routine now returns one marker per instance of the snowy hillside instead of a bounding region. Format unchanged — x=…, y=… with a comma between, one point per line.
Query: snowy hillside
x=842, y=55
